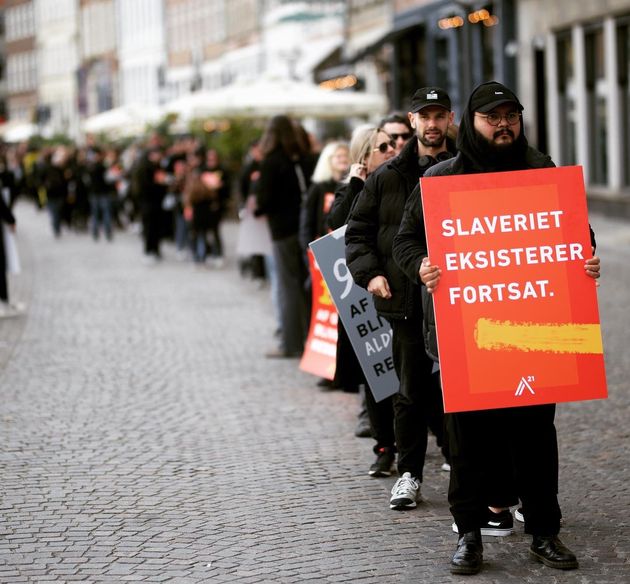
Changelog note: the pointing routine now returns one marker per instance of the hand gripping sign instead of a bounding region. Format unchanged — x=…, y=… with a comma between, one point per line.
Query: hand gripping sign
x=370, y=335
x=517, y=317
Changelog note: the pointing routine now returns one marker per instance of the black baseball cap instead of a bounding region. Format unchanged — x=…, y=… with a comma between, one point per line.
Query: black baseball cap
x=487, y=96
x=429, y=96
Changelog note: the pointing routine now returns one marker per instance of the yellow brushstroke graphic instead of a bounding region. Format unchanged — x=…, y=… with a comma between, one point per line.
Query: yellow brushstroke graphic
x=544, y=337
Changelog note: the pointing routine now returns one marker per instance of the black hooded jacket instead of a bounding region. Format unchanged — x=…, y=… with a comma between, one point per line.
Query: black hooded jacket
x=474, y=156
x=372, y=225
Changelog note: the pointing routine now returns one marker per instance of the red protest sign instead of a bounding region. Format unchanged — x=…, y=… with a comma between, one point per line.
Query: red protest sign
x=517, y=317
x=320, y=351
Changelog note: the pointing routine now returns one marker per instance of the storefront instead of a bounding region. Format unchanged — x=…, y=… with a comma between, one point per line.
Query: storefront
x=455, y=45
x=585, y=94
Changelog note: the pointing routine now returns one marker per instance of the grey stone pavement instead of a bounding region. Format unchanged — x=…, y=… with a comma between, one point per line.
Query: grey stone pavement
x=144, y=438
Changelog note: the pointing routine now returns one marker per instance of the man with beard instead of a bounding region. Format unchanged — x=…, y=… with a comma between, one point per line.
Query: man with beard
x=372, y=225
x=399, y=128
x=522, y=440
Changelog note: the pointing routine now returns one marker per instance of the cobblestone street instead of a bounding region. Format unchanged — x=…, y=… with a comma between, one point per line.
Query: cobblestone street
x=145, y=438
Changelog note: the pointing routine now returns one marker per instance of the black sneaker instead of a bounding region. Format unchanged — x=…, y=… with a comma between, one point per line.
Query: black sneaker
x=382, y=466
x=497, y=524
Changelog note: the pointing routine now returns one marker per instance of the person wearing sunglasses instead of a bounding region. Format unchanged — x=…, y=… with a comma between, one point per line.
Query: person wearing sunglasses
x=372, y=225
x=398, y=127
x=491, y=138
x=370, y=147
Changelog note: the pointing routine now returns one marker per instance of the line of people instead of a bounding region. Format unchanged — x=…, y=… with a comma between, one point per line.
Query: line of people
x=497, y=459
x=180, y=191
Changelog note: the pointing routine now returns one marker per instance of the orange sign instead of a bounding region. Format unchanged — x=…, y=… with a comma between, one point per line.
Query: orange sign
x=517, y=317
x=320, y=352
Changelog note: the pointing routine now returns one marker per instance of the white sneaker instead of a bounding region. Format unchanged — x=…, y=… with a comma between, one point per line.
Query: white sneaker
x=405, y=493
x=446, y=467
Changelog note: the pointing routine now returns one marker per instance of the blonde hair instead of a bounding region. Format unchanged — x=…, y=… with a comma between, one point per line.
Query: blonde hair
x=362, y=142
x=323, y=170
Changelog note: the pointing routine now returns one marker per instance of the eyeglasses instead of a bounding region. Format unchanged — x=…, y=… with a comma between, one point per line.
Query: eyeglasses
x=404, y=136
x=494, y=119
x=382, y=148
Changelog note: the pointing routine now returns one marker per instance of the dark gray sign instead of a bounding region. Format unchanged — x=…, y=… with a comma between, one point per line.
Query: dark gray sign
x=370, y=334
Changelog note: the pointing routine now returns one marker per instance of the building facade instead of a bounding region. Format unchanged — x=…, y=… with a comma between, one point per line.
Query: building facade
x=213, y=43
x=21, y=60
x=57, y=42
x=3, y=66
x=141, y=51
x=574, y=69
x=98, y=70
x=366, y=52
x=195, y=37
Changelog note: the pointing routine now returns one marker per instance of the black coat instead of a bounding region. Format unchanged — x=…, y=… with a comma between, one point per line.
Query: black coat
x=279, y=194
x=314, y=211
x=410, y=244
x=372, y=226
x=345, y=196
x=146, y=191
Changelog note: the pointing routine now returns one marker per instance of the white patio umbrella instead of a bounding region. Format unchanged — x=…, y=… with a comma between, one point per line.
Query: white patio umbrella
x=126, y=120
x=18, y=131
x=265, y=98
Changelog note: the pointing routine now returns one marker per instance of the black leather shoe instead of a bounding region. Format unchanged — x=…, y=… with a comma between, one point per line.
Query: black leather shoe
x=469, y=554
x=552, y=552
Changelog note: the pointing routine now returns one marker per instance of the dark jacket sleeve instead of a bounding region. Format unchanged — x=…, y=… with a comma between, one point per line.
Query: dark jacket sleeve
x=308, y=215
x=345, y=196
x=361, y=237
x=410, y=245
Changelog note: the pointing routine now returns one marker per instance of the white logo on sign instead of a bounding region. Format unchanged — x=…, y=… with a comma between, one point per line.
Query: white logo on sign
x=523, y=384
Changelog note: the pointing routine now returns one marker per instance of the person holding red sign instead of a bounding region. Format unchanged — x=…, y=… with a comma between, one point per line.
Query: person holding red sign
x=373, y=223
x=491, y=139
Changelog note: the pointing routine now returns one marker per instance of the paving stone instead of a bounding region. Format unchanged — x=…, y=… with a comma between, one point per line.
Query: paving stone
x=143, y=437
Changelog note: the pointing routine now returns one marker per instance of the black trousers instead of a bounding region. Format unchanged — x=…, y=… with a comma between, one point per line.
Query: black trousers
x=381, y=416
x=152, y=232
x=418, y=403
x=497, y=454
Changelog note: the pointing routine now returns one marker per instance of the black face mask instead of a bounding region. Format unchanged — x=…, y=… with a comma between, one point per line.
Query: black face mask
x=425, y=162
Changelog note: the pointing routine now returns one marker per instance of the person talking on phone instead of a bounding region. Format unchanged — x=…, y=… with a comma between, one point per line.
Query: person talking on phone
x=370, y=147
x=373, y=223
